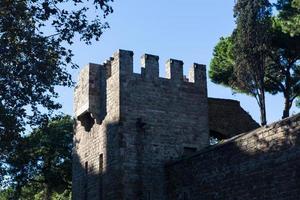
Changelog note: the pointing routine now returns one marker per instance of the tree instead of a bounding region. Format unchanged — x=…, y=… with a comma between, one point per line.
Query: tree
x=281, y=68
x=252, y=41
x=41, y=165
x=283, y=71
x=34, y=56
x=5, y=193
x=223, y=62
x=289, y=15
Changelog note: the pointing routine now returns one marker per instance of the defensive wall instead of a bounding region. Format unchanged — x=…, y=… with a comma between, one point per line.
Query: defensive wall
x=129, y=125
x=261, y=164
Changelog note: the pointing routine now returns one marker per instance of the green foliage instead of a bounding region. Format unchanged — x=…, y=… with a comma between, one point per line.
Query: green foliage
x=283, y=74
x=5, y=194
x=252, y=46
x=66, y=195
x=223, y=62
x=42, y=163
x=31, y=193
x=35, y=36
x=289, y=23
x=281, y=63
x=290, y=16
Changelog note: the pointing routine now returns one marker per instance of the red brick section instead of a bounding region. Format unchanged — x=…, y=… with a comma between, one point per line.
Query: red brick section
x=262, y=164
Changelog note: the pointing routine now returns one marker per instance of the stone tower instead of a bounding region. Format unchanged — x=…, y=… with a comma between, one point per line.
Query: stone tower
x=129, y=125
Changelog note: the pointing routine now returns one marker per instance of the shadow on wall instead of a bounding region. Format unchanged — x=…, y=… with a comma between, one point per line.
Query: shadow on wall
x=97, y=167
x=109, y=170
x=262, y=164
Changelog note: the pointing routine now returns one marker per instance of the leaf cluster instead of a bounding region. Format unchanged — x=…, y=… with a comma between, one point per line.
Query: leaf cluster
x=290, y=15
x=35, y=39
x=251, y=42
x=43, y=159
x=261, y=50
x=223, y=62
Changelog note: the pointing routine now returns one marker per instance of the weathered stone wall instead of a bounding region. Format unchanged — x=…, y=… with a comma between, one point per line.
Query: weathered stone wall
x=227, y=118
x=147, y=121
x=160, y=117
x=97, y=164
x=263, y=164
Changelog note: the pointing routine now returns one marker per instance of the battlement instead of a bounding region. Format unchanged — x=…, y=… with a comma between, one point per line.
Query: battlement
x=122, y=63
x=98, y=83
x=150, y=68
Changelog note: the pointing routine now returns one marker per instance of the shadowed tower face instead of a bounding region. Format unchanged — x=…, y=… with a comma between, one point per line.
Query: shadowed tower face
x=129, y=125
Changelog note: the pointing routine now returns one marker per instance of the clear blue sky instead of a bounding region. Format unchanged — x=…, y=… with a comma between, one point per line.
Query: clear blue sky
x=170, y=29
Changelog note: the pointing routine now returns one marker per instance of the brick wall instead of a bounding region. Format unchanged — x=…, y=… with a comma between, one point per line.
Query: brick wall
x=263, y=164
x=227, y=118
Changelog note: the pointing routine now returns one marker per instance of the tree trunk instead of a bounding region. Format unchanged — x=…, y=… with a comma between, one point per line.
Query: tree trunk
x=286, y=111
x=17, y=193
x=263, y=115
x=287, y=93
x=47, y=192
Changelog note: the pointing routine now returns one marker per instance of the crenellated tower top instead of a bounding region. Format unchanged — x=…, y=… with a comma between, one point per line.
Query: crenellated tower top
x=93, y=85
x=150, y=68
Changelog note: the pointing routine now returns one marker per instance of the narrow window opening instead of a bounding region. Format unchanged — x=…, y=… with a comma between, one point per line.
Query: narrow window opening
x=86, y=168
x=100, y=163
x=185, y=196
x=148, y=195
x=100, y=176
x=187, y=151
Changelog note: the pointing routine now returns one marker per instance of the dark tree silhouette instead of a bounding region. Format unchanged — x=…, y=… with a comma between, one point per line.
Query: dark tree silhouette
x=35, y=39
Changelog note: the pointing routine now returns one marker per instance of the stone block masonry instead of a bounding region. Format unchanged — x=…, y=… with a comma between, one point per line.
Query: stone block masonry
x=263, y=164
x=227, y=118
x=143, y=137
x=129, y=125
